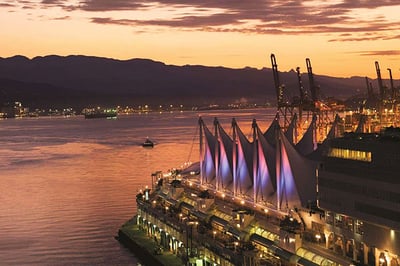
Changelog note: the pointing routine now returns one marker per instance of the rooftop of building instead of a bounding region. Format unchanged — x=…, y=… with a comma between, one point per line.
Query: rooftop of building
x=386, y=134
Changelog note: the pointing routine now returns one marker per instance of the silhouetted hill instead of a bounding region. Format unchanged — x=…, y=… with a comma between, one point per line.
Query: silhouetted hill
x=42, y=95
x=85, y=80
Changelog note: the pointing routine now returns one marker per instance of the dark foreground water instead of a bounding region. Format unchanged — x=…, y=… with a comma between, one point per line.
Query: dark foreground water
x=68, y=184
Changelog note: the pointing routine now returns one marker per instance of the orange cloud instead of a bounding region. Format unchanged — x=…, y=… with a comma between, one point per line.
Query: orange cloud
x=256, y=16
x=380, y=53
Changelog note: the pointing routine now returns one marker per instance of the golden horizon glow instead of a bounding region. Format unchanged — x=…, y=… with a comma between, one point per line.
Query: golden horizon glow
x=341, y=39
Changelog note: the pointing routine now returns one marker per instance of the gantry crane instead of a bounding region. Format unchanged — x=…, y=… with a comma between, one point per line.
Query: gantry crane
x=314, y=90
x=385, y=106
x=285, y=109
x=305, y=107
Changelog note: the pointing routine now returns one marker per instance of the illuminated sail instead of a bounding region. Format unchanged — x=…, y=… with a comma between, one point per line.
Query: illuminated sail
x=296, y=183
x=265, y=181
x=265, y=173
x=207, y=155
x=225, y=165
x=244, y=163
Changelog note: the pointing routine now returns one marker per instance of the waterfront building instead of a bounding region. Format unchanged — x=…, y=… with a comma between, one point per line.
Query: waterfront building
x=359, y=187
x=267, y=200
x=12, y=110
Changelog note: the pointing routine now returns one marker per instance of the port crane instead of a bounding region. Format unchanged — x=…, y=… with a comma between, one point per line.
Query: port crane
x=325, y=112
x=305, y=106
x=370, y=90
x=380, y=82
x=392, y=89
x=313, y=88
x=388, y=102
x=285, y=110
x=381, y=110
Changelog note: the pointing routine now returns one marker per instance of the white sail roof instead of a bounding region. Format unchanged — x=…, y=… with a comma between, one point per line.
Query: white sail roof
x=296, y=177
x=279, y=175
x=270, y=133
x=265, y=177
x=244, y=163
x=225, y=164
x=308, y=142
x=207, y=159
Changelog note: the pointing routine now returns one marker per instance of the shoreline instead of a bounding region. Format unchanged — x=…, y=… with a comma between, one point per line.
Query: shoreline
x=136, y=240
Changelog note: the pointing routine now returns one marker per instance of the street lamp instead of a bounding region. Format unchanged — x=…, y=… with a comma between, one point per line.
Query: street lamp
x=236, y=244
x=318, y=237
x=189, y=250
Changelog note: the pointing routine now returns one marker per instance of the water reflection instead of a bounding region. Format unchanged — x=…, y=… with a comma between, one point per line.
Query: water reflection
x=67, y=184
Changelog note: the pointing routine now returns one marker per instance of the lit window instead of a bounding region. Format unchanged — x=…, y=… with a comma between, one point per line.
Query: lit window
x=365, y=156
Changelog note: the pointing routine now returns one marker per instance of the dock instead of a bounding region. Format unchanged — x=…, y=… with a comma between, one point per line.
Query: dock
x=147, y=250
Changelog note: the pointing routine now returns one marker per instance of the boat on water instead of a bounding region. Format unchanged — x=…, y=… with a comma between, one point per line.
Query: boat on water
x=148, y=143
x=100, y=113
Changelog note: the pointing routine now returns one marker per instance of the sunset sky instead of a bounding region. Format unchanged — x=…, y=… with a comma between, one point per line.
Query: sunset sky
x=342, y=38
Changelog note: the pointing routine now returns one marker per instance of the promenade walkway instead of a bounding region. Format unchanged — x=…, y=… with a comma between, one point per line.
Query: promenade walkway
x=144, y=248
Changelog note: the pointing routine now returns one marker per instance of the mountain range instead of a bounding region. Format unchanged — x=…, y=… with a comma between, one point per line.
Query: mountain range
x=79, y=81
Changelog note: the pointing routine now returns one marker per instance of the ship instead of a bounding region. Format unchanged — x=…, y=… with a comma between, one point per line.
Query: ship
x=100, y=113
x=148, y=143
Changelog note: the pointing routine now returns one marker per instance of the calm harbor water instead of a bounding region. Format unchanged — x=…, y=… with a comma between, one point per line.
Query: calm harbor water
x=68, y=184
